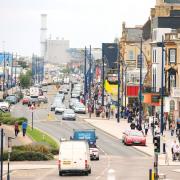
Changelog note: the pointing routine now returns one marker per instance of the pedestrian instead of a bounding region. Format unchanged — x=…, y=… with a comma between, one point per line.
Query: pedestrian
x=164, y=143
x=133, y=126
x=24, y=127
x=172, y=126
x=146, y=127
x=16, y=128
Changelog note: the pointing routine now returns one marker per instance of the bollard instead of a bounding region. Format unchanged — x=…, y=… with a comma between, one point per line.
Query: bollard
x=150, y=174
x=153, y=176
x=164, y=148
x=111, y=174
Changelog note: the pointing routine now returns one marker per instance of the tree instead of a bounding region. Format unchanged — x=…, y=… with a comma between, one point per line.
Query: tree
x=25, y=79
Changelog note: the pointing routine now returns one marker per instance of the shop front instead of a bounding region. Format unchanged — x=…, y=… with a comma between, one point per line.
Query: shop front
x=132, y=94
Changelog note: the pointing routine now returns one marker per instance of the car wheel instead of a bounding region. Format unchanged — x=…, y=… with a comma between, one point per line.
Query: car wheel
x=89, y=171
x=97, y=158
x=56, y=112
x=86, y=173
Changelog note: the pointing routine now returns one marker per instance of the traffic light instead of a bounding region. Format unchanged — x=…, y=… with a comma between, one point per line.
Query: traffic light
x=157, y=144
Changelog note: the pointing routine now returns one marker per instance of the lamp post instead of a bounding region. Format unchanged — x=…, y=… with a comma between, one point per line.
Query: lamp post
x=118, y=112
x=140, y=89
x=162, y=87
x=90, y=67
x=9, y=153
x=85, y=77
x=102, y=78
x=1, y=157
x=4, y=71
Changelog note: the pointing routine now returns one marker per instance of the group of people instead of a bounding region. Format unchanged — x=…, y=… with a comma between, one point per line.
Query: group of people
x=17, y=129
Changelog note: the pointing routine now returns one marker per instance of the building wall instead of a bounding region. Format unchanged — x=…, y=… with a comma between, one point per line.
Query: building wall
x=57, y=51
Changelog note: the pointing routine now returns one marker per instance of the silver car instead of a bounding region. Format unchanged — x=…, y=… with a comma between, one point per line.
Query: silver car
x=69, y=115
x=79, y=108
x=60, y=108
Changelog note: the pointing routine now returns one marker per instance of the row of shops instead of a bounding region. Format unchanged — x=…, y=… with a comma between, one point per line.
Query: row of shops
x=152, y=102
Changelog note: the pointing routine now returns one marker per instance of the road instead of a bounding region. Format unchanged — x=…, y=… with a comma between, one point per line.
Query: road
x=126, y=162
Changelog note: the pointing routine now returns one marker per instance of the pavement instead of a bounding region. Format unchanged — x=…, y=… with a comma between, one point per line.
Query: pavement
x=16, y=141
x=115, y=129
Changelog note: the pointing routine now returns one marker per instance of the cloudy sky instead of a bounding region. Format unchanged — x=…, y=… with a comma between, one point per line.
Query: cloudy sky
x=83, y=22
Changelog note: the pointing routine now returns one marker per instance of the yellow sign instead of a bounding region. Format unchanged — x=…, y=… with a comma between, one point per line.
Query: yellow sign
x=111, y=88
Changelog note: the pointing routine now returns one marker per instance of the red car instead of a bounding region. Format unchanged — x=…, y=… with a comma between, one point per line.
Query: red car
x=135, y=137
x=25, y=100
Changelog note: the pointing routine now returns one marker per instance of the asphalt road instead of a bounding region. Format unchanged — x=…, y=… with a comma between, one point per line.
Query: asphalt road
x=126, y=162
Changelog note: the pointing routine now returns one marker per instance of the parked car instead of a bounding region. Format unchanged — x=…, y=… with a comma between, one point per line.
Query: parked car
x=135, y=137
x=33, y=100
x=5, y=106
x=42, y=99
x=60, y=108
x=25, y=100
x=12, y=99
x=74, y=157
x=69, y=115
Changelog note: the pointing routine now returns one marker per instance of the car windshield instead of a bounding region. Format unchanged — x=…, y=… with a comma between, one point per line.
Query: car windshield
x=135, y=133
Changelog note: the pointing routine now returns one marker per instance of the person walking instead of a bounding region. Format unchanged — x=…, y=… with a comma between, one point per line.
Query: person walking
x=146, y=127
x=16, y=129
x=24, y=127
x=172, y=128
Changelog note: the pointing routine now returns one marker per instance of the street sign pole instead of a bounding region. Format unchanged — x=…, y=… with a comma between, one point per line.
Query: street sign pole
x=32, y=119
x=2, y=134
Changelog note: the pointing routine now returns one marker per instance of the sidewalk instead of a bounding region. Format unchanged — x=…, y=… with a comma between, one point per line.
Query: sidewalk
x=18, y=141
x=116, y=129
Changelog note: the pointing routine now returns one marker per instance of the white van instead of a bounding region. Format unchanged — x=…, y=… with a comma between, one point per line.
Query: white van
x=74, y=157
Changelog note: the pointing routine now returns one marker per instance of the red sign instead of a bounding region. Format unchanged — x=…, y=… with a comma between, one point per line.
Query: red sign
x=132, y=91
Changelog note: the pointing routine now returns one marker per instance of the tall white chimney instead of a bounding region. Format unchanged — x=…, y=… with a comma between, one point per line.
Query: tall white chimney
x=43, y=38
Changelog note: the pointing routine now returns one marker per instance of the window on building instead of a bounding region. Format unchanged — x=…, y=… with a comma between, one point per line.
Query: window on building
x=172, y=79
x=172, y=55
x=131, y=55
x=172, y=105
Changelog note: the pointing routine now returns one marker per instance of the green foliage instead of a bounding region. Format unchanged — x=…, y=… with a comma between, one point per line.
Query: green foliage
x=41, y=137
x=27, y=156
x=33, y=147
x=6, y=118
x=25, y=79
x=22, y=63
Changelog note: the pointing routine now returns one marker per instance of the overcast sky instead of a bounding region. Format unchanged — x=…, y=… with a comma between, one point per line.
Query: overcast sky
x=83, y=22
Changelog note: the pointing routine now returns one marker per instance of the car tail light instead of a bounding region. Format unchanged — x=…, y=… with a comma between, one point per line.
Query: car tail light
x=86, y=165
x=59, y=164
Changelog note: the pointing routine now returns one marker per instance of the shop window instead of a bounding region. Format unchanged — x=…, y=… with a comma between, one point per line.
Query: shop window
x=131, y=55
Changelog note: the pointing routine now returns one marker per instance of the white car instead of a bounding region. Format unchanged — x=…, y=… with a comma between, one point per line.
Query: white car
x=60, y=108
x=94, y=152
x=79, y=108
x=5, y=106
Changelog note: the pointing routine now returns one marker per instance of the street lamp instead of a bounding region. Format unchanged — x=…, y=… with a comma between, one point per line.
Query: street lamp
x=9, y=152
x=140, y=89
x=85, y=77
